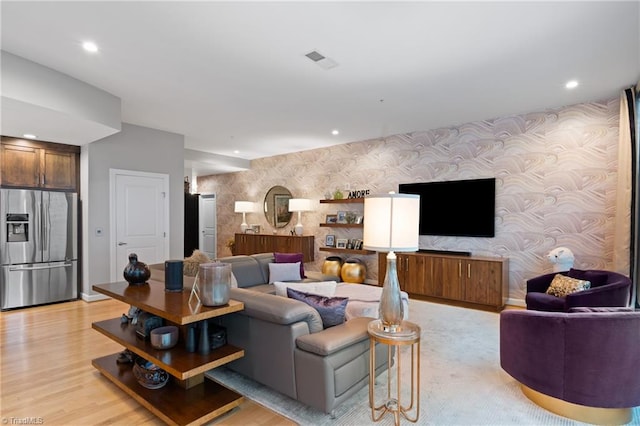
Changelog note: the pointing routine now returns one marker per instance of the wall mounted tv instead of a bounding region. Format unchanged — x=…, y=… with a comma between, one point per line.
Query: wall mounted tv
x=460, y=208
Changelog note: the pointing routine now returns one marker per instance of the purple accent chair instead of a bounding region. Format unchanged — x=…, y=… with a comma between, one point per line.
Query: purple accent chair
x=607, y=289
x=590, y=357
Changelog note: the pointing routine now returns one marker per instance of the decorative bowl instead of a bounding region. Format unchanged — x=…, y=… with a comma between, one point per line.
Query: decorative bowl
x=164, y=337
x=149, y=375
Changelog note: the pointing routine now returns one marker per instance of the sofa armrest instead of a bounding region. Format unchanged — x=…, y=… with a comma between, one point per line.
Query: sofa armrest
x=336, y=338
x=541, y=283
x=616, y=294
x=276, y=309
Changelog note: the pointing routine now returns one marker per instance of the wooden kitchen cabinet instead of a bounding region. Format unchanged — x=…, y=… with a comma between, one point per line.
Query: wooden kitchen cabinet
x=39, y=165
x=262, y=243
x=468, y=280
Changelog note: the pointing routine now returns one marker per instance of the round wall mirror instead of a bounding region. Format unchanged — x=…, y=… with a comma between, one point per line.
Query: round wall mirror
x=276, y=206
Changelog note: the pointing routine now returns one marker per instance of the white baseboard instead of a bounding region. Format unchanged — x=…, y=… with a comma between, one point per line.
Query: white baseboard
x=93, y=297
x=516, y=302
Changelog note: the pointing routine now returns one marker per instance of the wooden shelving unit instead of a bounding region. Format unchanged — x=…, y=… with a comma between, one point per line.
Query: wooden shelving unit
x=334, y=249
x=344, y=225
x=189, y=398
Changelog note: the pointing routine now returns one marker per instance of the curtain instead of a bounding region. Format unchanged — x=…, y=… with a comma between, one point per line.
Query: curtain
x=626, y=231
x=634, y=101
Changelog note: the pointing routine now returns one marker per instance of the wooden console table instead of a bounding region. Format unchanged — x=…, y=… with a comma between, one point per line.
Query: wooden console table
x=189, y=398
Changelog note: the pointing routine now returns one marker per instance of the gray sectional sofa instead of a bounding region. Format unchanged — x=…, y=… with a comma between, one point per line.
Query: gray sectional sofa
x=286, y=347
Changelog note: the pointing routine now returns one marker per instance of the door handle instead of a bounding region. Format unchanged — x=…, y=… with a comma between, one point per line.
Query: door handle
x=122, y=244
x=37, y=268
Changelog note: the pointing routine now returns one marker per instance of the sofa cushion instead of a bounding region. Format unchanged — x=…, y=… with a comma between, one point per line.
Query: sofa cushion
x=596, y=278
x=246, y=269
x=277, y=310
x=331, y=309
x=284, y=272
x=321, y=288
x=264, y=259
x=544, y=302
x=563, y=285
x=291, y=258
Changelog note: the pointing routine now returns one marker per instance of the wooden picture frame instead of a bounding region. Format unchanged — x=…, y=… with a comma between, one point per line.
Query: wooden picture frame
x=342, y=217
x=331, y=218
x=330, y=241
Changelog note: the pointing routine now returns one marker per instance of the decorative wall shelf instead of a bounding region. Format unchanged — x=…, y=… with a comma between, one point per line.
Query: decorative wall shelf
x=333, y=249
x=343, y=201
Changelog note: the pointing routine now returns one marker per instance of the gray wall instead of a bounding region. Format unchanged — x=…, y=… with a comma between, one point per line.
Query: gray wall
x=138, y=149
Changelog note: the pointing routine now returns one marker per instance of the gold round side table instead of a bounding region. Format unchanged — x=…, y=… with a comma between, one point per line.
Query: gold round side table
x=408, y=334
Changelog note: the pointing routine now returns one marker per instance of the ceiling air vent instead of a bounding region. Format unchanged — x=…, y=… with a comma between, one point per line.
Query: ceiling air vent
x=315, y=56
x=322, y=61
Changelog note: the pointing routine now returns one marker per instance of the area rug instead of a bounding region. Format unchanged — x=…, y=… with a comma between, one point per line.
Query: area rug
x=461, y=380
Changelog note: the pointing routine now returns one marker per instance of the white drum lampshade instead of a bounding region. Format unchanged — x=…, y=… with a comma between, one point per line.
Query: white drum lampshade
x=300, y=205
x=244, y=207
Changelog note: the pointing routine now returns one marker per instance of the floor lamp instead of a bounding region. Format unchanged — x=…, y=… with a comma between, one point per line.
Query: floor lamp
x=391, y=224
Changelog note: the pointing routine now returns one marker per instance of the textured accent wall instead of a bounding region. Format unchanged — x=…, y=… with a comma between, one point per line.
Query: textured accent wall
x=555, y=184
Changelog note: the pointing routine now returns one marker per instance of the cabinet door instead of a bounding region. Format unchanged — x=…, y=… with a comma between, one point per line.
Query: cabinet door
x=59, y=170
x=415, y=274
x=269, y=244
x=20, y=166
x=483, y=282
x=242, y=244
x=447, y=273
x=304, y=245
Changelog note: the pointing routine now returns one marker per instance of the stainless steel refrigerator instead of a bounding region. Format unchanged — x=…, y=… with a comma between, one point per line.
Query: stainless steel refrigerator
x=39, y=247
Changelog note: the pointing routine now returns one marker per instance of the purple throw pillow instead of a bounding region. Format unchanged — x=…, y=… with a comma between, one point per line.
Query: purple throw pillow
x=331, y=309
x=291, y=258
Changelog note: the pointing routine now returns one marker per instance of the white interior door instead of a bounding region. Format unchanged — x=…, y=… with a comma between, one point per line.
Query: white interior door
x=140, y=207
x=207, y=215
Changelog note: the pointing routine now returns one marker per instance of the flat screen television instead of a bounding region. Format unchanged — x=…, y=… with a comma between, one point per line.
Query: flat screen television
x=461, y=208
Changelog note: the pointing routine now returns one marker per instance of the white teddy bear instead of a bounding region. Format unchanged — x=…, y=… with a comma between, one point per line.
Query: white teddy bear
x=562, y=259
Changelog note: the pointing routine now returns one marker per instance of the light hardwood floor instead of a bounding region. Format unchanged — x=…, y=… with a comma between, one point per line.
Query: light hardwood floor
x=46, y=374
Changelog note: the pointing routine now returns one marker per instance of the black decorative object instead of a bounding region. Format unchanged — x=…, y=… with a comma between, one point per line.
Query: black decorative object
x=147, y=322
x=136, y=273
x=173, y=270
x=217, y=336
x=204, y=347
x=190, y=344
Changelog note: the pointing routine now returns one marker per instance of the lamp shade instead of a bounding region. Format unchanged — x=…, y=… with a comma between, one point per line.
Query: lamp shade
x=244, y=207
x=391, y=222
x=300, y=205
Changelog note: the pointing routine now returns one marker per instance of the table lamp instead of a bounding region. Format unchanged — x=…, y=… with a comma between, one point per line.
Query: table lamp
x=300, y=205
x=391, y=223
x=244, y=207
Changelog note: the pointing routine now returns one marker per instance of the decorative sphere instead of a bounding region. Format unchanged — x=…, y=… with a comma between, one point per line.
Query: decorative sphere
x=354, y=271
x=332, y=266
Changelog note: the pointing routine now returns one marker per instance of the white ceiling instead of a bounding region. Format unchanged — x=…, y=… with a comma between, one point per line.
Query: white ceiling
x=234, y=76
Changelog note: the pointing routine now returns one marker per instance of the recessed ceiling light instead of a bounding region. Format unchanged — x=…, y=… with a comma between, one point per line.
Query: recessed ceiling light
x=335, y=132
x=571, y=84
x=29, y=136
x=236, y=152
x=90, y=46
